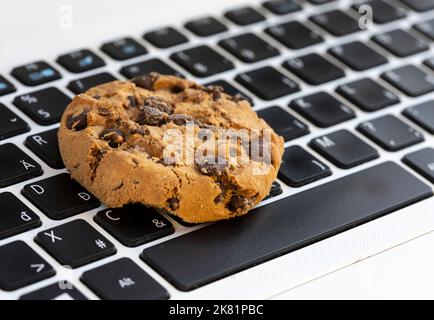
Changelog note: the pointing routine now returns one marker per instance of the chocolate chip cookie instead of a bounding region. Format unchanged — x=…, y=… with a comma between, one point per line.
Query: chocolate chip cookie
x=172, y=144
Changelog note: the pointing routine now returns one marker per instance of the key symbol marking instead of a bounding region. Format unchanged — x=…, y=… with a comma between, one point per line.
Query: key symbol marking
x=100, y=244
x=126, y=282
x=107, y=214
x=52, y=236
x=38, y=267
x=158, y=223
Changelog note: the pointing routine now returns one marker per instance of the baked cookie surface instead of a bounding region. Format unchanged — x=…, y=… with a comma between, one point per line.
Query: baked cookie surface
x=171, y=144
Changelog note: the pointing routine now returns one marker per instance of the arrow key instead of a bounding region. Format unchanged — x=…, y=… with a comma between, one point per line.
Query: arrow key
x=21, y=266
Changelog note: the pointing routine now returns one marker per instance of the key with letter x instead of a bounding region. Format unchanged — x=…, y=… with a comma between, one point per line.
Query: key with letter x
x=75, y=243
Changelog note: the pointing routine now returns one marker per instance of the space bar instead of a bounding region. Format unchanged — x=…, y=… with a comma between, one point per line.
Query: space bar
x=224, y=248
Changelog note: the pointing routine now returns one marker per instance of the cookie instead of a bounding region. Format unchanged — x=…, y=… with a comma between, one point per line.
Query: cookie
x=172, y=144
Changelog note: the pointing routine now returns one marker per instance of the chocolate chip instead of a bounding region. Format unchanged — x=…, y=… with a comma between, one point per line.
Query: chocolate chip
x=173, y=203
x=211, y=165
x=151, y=116
x=181, y=119
x=113, y=136
x=215, y=92
x=219, y=198
x=132, y=101
x=158, y=103
x=78, y=122
x=146, y=81
x=240, y=204
x=177, y=89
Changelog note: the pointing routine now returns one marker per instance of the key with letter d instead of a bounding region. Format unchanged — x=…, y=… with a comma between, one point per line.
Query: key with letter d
x=59, y=197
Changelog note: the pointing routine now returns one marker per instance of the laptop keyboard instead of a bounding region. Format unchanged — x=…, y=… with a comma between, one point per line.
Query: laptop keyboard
x=312, y=79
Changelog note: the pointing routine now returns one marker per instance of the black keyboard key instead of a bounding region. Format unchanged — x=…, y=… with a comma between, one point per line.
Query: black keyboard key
x=46, y=147
x=82, y=85
x=165, y=37
x=358, y=55
x=75, y=243
x=148, y=66
x=344, y=149
x=62, y=290
x=16, y=217
x=419, y=5
x=45, y=106
x=244, y=16
x=125, y=48
x=411, y=80
x=123, y=279
x=231, y=90
x=390, y=133
x=383, y=12
x=290, y=224
x=314, y=69
x=206, y=26
x=299, y=167
x=368, y=95
x=249, y=48
x=6, y=87
x=283, y=123
x=422, y=161
x=134, y=225
x=294, y=35
x=267, y=83
x=281, y=7
x=21, y=266
x=422, y=114
x=336, y=22
x=322, y=109
x=400, y=43
x=59, y=196
x=16, y=166
x=10, y=123
x=35, y=73
x=202, y=61
x=275, y=190
x=80, y=61
x=426, y=27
